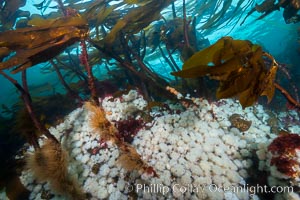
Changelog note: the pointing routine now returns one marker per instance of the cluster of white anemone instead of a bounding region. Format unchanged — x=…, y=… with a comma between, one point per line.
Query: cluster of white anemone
x=196, y=152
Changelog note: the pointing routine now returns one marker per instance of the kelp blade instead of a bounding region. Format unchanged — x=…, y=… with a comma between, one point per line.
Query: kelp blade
x=38, y=44
x=238, y=65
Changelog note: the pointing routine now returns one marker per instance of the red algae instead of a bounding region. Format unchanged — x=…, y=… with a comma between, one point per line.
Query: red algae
x=284, y=153
x=129, y=128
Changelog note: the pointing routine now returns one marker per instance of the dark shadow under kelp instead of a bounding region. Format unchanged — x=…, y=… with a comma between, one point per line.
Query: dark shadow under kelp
x=10, y=168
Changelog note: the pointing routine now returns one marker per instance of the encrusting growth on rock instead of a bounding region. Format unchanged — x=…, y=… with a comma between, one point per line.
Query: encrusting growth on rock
x=50, y=163
x=238, y=122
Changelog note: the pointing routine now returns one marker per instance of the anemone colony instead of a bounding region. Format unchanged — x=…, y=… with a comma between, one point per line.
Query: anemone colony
x=133, y=125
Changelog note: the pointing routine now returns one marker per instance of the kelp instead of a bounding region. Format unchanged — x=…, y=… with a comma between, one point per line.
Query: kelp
x=45, y=109
x=98, y=11
x=290, y=13
x=205, y=7
x=70, y=64
x=138, y=2
x=229, y=18
x=41, y=42
x=213, y=15
x=136, y=71
x=172, y=33
x=238, y=65
x=9, y=13
x=43, y=5
x=4, y=52
x=153, y=34
x=266, y=7
x=137, y=19
x=175, y=36
x=217, y=16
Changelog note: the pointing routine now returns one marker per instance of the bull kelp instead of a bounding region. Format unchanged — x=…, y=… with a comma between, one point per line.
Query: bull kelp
x=164, y=93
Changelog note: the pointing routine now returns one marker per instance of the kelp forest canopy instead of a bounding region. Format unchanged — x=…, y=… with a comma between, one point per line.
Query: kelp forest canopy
x=90, y=47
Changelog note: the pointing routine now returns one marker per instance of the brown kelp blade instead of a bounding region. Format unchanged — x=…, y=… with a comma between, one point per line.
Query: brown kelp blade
x=269, y=89
x=40, y=43
x=137, y=19
x=238, y=65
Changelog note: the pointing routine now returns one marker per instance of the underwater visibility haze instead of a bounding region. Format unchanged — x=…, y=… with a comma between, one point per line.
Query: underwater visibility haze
x=149, y=99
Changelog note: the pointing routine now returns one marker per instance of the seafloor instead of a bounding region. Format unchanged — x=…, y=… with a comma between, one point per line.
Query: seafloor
x=194, y=149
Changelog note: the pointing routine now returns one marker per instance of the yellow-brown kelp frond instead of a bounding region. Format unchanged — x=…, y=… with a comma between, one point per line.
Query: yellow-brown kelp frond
x=238, y=65
x=137, y=19
x=96, y=12
x=100, y=124
x=137, y=2
x=41, y=42
x=11, y=13
x=50, y=163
